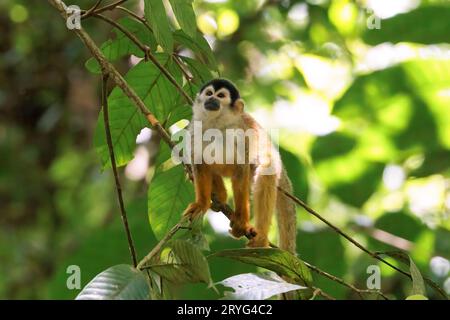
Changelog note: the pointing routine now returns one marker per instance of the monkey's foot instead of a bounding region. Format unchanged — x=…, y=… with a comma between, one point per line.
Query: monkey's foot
x=239, y=230
x=194, y=210
x=258, y=242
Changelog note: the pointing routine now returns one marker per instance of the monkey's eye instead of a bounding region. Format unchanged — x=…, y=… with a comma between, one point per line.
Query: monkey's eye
x=221, y=95
x=209, y=93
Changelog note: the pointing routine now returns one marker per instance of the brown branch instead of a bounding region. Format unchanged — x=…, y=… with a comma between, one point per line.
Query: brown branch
x=320, y=292
x=91, y=10
x=123, y=213
x=102, y=9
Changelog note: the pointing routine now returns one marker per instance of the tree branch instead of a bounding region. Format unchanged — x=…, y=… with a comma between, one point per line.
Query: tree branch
x=111, y=6
x=114, y=168
x=342, y=282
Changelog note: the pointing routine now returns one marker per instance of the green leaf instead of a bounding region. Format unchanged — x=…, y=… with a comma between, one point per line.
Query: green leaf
x=403, y=27
x=186, y=264
x=199, y=46
x=114, y=49
x=199, y=71
x=183, y=112
x=277, y=260
x=121, y=282
x=251, y=286
x=168, y=195
x=155, y=13
x=126, y=121
x=418, y=283
x=185, y=15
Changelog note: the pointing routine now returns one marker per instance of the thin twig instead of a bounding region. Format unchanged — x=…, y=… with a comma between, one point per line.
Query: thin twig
x=136, y=16
x=102, y=9
x=318, y=291
x=348, y=285
x=123, y=213
x=181, y=67
x=161, y=243
x=339, y=231
x=94, y=7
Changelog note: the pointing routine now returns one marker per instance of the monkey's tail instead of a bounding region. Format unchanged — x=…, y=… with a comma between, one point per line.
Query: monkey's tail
x=286, y=216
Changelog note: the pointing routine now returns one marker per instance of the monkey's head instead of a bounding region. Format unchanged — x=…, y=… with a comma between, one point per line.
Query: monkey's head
x=217, y=98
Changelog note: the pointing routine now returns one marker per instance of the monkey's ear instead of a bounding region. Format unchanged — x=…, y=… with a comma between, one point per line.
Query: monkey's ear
x=239, y=105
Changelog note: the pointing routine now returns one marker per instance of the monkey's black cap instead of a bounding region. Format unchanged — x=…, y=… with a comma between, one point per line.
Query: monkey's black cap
x=223, y=83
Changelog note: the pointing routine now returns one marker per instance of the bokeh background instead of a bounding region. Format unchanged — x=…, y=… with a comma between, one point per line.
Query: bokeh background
x=360, y=91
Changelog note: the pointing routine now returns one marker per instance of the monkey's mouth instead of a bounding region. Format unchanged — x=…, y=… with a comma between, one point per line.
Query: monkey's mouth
x=212, y=104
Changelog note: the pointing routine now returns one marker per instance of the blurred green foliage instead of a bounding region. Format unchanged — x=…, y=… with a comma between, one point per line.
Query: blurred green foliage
x=364, y=119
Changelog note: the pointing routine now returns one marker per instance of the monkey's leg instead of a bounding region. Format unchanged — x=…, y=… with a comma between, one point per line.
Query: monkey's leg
x=240, y=221
x=203, y=188
x=218, y=189
x=264, y=200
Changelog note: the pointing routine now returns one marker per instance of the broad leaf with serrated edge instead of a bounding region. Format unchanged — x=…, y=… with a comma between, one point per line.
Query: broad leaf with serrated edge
x=121, y=282
x=126, y=121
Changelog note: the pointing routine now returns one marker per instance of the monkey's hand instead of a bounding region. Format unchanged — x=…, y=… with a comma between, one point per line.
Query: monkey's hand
x=194, y=210
x=242, y=229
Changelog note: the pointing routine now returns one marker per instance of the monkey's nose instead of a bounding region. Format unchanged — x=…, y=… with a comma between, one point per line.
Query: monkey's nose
x=212, y=104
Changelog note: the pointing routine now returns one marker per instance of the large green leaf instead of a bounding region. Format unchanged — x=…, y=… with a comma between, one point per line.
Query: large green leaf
x=261, y=286
x=155, y=12
x=126, y=121
x=277, y=260
x=199, y=46
x=121, y=45
x=185, y=16
x=121, y=282
x=184, y=263
x=169, y=194
x=403, y=27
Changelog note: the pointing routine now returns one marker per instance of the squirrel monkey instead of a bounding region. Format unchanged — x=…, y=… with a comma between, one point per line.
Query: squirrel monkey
x=218, y=106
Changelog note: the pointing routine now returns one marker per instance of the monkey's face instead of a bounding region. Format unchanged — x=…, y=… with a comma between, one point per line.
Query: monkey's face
x=216, y=99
